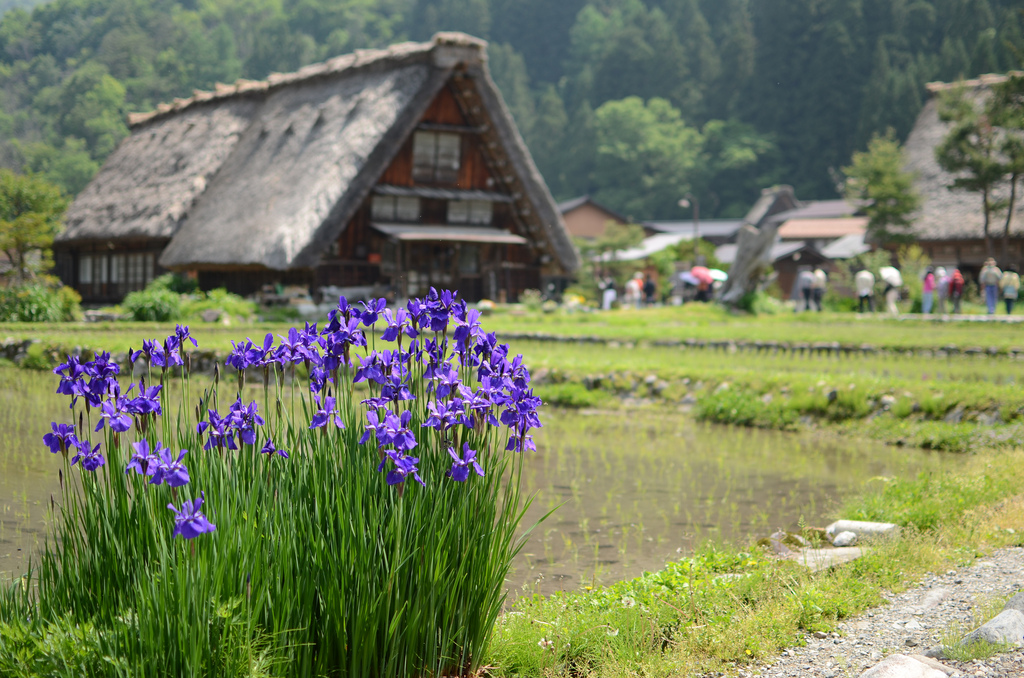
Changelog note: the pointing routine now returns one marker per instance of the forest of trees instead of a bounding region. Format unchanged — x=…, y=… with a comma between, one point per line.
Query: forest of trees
x=632, y=101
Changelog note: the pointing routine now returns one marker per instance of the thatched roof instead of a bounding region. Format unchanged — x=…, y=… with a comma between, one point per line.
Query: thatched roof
x=267, y=174
x=950, y=214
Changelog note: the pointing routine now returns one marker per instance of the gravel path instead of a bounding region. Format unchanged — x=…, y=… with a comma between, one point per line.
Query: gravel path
x=912, y=622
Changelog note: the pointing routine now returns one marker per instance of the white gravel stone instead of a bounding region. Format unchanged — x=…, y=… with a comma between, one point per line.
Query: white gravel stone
x=844, y=538
x=902, y=666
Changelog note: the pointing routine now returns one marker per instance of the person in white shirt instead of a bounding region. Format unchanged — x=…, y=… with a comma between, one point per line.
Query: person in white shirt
x=864, y=281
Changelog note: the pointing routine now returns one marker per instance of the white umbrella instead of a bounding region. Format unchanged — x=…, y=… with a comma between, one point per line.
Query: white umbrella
x=891, y=276
x=719, y=275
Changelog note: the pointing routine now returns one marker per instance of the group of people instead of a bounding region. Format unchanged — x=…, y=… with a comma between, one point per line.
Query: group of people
x=810, y=287
x=940, y=286
x=640, y=290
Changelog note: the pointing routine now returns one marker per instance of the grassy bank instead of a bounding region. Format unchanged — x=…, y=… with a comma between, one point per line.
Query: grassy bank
x=724, y=608
x=953, y=402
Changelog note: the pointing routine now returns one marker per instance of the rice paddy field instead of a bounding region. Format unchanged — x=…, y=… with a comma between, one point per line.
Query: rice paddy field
x=635, y=477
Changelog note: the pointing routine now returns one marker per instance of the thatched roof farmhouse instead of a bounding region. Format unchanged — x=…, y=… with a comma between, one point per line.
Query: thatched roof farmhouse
x=395, y=169
x=949, y=224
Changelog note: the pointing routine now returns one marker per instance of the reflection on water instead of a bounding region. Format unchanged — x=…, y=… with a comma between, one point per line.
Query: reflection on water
x=632, y=489
x=28, y=472
x=639, y=488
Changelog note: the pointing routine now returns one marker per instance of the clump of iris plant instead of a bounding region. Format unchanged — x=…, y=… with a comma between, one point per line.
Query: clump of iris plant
x=434, y=401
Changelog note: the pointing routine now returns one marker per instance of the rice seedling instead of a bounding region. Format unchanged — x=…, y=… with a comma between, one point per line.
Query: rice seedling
x=357, y=517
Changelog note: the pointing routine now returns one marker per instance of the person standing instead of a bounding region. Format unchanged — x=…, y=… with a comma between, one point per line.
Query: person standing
x=818, y=288
x=941, y=289
x=608, y=293
x=956, y=289
x=892, y=296
x=804, y=284
x=1010, y=286
x=864, y=281
x=989, y=278
x=650, y=290
x=634, y=291
x=927, y=291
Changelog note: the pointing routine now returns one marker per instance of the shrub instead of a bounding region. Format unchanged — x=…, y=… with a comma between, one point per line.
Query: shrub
x=344, y=555
x=221, y=300
x=531, y=299
x=158, y=302
x=38, y=303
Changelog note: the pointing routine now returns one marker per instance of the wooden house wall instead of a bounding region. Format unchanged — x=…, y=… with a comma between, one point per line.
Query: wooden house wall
x=365, y=258
x=137, y=265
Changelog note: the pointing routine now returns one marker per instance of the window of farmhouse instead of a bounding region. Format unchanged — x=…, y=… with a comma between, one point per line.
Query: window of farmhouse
x=436, y=157
x=395, y=208
x=477, y=212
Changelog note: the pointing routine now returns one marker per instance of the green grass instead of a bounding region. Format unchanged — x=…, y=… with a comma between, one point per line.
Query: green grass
x=711, y=322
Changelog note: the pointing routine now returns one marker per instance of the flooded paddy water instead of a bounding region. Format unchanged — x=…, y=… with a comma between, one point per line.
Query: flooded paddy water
x=633, y=488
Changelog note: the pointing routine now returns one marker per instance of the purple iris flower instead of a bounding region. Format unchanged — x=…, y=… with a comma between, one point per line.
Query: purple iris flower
x=396, y=431
x=181, y=333
x=376, y=426
x=289, y=349
x=244, y=419
x=91, y=459
x=168, y=469
x=115, y=411
x=62, y=438
x=190, y=522
x=443, y=416
x=447, y=379
x=460, y=465
x=318, y=379
x=268, y=448
x=398, y=323
x=440, y=305
x=372, y=310
x=325, y=408
x=404, y=466
x=419, y=313
x=243, y=355
x=221, y=431
x=154, y=352
x=340, y=316
x=143, y=461
x=467, y=328
x=396, y=389
x=147, y=402
x=70, y=374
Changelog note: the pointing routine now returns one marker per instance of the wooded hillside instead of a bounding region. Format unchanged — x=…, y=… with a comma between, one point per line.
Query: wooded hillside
x=632, y=101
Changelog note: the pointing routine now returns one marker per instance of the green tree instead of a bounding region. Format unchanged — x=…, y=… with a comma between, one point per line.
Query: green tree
x=876, y=178
x=509, y=72
x=547, y=139
x=1006, y=108
x=970, y=151
x=30, y=213
x=68, y=166
x=646, y=156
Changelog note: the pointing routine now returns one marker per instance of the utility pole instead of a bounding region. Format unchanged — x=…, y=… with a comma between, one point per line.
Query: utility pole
x=686, y=201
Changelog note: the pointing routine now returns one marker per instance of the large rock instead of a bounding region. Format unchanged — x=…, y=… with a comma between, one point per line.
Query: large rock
x=822, y=559
x=1005, y=627
x=1015, y=603
x=902, y=666
x=862, y=528
x=845, y=538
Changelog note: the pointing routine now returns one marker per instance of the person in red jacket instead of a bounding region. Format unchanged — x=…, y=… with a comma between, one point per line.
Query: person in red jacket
x=956, y=289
